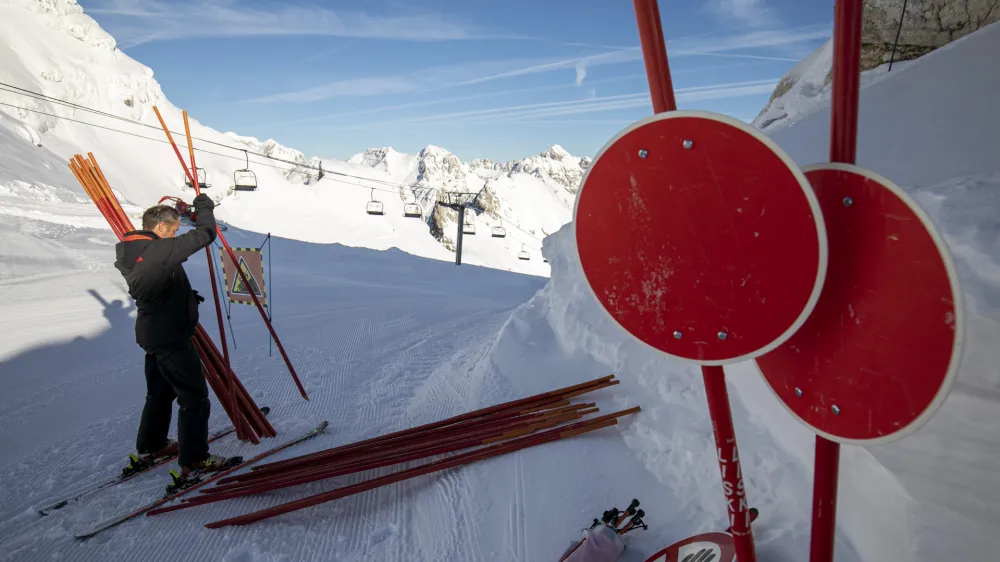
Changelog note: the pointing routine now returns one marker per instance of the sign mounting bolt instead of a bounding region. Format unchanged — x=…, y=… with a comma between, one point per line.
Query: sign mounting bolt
x=688, y=143
x=643, y=153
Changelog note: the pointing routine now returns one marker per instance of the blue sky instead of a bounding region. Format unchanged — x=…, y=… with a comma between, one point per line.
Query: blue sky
x=497, y=80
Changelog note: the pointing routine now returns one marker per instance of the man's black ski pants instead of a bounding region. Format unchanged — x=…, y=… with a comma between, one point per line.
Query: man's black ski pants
x=175, y=373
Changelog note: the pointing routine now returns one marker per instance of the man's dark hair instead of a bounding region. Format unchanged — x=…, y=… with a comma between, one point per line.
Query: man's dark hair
x=157, y=214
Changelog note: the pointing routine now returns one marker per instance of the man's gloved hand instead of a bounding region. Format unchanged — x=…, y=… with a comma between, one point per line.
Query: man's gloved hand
x=198, y=297
x=203, y=201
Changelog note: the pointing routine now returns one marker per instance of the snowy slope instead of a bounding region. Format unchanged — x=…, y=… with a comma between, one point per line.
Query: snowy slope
x=381, y=340
x=932, y=127
x=53, y=48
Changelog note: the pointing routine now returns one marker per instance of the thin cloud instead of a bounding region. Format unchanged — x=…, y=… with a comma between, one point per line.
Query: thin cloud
x=754, y=13
x=454, y=99
x=589, y=105
x=459, y=75
x=701, y=45
x=612, y=103
x=136, y=22
x=367, y=87
x=581, y=73
x=757, y=57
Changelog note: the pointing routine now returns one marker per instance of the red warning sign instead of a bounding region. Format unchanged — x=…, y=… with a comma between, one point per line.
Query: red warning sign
x=880, y=351
x=700, y=237
x=252, y=264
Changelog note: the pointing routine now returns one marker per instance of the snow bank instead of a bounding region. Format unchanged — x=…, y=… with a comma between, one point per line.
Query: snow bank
x=933, y=128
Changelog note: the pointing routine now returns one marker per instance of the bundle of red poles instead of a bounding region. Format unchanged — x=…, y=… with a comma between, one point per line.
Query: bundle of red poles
x=489, y=432
x=247, y=418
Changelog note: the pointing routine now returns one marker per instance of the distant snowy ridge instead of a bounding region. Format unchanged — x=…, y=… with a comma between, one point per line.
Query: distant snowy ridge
x=543, y=185
x=436, y=166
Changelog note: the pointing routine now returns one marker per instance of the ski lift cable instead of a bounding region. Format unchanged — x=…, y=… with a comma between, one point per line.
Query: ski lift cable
x=11, y=89
x=22, y=91
x=246, y=154
x=282, y=168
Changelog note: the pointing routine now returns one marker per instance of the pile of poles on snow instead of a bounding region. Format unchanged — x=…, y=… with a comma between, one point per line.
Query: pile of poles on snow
x=489, y=432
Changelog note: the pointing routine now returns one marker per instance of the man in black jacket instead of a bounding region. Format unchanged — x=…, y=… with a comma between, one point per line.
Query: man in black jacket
x=167, y=314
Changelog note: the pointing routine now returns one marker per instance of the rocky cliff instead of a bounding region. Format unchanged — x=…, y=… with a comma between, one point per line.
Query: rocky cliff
x=926, y=25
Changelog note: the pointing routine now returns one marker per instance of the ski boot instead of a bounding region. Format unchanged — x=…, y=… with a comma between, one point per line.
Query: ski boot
x=139, y=462
x=191, y=474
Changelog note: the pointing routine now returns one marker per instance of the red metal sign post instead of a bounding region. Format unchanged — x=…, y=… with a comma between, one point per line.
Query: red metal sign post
x=873, y=362
x=843, y=148
x=700, y=237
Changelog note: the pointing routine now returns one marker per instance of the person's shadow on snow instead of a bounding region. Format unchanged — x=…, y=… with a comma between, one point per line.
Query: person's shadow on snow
x=115, y=311
x=50, y=362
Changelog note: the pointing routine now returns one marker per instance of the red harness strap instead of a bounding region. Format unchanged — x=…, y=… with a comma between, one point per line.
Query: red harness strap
x=133, y=237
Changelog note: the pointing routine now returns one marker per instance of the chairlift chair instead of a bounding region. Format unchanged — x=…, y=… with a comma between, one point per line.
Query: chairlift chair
x=469, y=228
x=374, y=207
x=499, y=231
x=245, y=179
x=202, y=182
x=523, y=254
x=412, y=210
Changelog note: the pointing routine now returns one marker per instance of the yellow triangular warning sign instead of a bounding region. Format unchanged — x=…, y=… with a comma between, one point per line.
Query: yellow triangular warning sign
x=239, y=287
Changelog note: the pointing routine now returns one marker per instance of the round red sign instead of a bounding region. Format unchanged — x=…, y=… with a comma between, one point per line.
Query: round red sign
x=700, y=237
x=714, y=547
x=880, y=351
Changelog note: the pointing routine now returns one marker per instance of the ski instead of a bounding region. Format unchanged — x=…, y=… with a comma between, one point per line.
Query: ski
x=122, y=478
x=215, y=476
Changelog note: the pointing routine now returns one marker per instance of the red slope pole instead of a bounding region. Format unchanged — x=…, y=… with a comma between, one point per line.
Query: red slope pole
x=241, y=432
x=260, y=308
x=654, y=52
x=843, y=148
x=729, y=463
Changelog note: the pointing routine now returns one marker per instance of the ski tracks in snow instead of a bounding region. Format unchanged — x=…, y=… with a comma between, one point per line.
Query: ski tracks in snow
x=517, y=525
x=368, y=371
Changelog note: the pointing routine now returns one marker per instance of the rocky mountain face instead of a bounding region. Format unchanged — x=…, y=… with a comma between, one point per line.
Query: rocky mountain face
x=926, y=25
x=434, y=169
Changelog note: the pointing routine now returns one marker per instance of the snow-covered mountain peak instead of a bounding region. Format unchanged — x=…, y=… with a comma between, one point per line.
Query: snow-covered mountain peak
x=556, y=152
x=439, y=168
x=67, y=16
x=556, y=166
x=378, y=158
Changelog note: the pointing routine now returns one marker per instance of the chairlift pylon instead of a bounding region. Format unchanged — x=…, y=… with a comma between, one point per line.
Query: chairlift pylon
x=202, y=181
x=245, y=179
x=523, y=254
x=374, y=206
